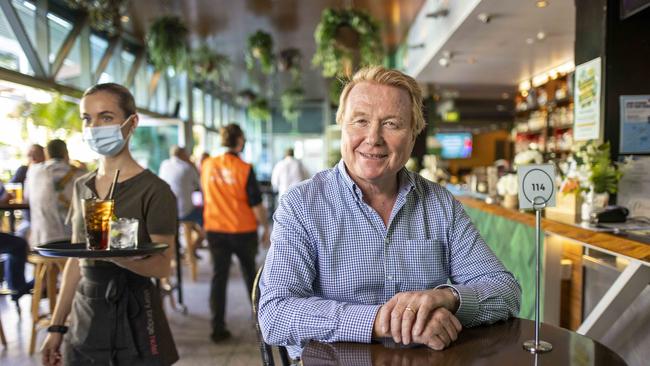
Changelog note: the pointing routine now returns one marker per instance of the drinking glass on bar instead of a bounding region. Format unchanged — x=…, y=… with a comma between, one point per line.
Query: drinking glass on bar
x=16, y=190
x=124, y=233
x=97, y=215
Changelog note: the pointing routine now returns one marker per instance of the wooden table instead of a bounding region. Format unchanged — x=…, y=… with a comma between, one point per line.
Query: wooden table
x=497, y=344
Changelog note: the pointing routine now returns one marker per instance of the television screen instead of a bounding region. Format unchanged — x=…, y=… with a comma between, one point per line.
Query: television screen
x=456, y=145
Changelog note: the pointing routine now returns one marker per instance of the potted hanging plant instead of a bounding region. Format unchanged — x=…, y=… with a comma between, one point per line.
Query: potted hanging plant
x=290, y=100
x=335, y=89
x=259, y=110
x=105, y=15
x=260, y=48
x=166, y=43
x=208, y=66
x=289, y=60
x=339, y=35
x=246, y=97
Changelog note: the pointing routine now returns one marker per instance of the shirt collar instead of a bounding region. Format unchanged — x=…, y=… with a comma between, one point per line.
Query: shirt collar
x=405, y=181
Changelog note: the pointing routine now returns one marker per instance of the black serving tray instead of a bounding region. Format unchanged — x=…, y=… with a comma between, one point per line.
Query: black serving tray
x=78, y=250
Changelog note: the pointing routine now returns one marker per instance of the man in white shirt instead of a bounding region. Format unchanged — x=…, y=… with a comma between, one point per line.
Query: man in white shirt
x=287, y=172
x=48, y=188
x=183, y=178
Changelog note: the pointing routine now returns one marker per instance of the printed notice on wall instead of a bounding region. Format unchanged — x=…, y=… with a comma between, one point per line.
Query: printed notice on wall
x=635, y=124
x=587, y=101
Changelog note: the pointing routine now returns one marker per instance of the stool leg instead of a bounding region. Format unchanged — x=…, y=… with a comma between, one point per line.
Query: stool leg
x=52, y=273
x=188, y=228
x=40, y=273
x=2, y=335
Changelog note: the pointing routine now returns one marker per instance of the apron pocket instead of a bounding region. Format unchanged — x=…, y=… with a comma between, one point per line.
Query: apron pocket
x=92, y=324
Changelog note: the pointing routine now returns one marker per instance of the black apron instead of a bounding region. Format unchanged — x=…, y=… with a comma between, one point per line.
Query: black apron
x=117, y=319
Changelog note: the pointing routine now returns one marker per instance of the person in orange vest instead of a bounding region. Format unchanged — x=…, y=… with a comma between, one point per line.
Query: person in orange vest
x=233, y=211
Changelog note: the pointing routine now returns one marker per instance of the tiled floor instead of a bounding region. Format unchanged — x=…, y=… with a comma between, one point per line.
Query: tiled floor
x=191, y=331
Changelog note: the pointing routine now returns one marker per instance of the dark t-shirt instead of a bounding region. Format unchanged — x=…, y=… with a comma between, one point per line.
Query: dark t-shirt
x=144, y=197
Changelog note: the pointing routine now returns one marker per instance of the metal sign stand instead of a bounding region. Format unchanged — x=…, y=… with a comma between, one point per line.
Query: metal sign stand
x=536, y=345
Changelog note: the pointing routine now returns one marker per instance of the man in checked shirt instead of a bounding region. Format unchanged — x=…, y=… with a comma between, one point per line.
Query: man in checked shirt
x=368, y=250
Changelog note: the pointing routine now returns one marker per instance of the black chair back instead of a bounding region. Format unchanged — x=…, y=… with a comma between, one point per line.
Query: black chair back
x=266, y=350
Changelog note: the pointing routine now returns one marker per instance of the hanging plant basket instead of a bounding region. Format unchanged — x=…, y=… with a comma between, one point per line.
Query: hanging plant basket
x=259, y=110
x=291, y=100
x=208, y=66
x=260, y=48
x=335, y=90
x=105, y=15
x=289, y=59
x=246, y=97
x=339, y=35
x=166, y=43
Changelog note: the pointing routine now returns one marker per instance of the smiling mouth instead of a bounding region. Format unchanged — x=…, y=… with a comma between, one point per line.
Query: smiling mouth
x=373, y=156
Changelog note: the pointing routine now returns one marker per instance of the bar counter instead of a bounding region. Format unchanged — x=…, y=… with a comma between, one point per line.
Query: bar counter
x=511, y=235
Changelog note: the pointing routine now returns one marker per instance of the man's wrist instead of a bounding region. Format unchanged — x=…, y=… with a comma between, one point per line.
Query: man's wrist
x=455, y=304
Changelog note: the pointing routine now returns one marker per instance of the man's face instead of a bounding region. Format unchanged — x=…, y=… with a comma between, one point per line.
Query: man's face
x=36, y=154
x=377, y=133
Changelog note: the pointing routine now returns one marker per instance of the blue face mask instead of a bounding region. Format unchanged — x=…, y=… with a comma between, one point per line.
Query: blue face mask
x=105, y=140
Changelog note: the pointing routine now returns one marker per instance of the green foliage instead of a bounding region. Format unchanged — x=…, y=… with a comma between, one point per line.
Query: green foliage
x=166, y=41
x=291, y=100
x=336, y=88
x=105, y=15
x=260, y=47
x=56, y=115
x=259, y=110
x=595, y=158
x=331, y=55
x=208, y=66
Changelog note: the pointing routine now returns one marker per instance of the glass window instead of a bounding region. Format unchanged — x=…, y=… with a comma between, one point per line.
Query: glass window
x=150, y=144
x=161, y=95
x=27, y=14
x=127, y=63
x=70, y=72
x=97, y=48
x=182, y=90
x=59, y=29
x=216, y=112
x=207, y=102
x=153, y=101
x=12, y=56
x=141, y=87
x=197, y=104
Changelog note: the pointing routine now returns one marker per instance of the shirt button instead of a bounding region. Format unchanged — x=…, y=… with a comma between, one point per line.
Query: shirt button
x=386, y=241
x=389, y=277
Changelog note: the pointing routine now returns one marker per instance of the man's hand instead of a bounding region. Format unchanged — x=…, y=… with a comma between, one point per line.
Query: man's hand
x=441, y=329
x=50, y=351
x=408, y=313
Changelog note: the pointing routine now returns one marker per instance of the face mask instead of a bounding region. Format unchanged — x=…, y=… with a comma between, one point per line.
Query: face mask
x=105, y=140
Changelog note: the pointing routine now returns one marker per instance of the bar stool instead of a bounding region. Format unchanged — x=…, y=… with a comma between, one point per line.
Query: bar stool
x=190, y=256
x=46, y=270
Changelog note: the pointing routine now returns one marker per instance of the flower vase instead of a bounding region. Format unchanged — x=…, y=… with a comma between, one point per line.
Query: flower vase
x=593, y=203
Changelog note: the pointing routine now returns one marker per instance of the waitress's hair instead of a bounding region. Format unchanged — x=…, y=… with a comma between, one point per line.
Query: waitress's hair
x=230, y=134
x=124, y=97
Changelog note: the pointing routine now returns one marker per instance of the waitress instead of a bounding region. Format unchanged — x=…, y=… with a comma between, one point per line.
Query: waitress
x=117, y=316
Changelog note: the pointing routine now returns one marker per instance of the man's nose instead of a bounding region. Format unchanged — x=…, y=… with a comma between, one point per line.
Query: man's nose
x=373, y=135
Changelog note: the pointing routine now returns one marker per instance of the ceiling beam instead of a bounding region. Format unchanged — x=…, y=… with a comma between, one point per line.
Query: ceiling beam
x=22, y=38
x=67, y=45
x=135, y=67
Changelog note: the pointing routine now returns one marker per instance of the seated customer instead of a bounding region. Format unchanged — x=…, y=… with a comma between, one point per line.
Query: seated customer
x=48, y=188
x=16, y=248
x=368, y=249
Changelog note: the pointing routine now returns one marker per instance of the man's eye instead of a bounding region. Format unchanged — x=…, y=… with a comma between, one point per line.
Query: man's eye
x=359, y=121
x=391, y=124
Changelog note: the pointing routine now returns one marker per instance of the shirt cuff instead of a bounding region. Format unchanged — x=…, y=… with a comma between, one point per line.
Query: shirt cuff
x=468, y=306
x=357, y=322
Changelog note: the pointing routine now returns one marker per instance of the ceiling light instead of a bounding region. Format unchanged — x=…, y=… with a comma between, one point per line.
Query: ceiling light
x=484, y=17
x=541, y=3
x=541, y=35
x=124, y=18
x=529, y=41
x=446, y=54
x=505, y=95
x=443, y=61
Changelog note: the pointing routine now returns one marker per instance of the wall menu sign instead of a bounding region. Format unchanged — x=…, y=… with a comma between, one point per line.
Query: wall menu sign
x=587, y=100
x=635, y=124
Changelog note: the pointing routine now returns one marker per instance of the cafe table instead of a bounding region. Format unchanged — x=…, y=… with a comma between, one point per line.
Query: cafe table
x=496, y=344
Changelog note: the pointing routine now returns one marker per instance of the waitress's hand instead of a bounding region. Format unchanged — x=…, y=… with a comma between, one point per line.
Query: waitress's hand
x=266, y=237
x=50, y=350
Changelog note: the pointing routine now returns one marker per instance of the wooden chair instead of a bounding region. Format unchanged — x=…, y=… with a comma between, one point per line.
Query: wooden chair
x=46, y=270
x=190, y=243
x=266, y=350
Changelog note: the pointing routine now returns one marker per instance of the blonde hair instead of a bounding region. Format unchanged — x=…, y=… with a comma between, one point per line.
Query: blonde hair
x=384, y=76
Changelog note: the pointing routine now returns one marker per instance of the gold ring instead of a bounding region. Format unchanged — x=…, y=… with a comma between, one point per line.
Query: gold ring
x=411, y=310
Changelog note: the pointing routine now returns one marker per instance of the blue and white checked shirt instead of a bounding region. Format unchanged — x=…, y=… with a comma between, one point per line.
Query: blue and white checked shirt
x=333, y=262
